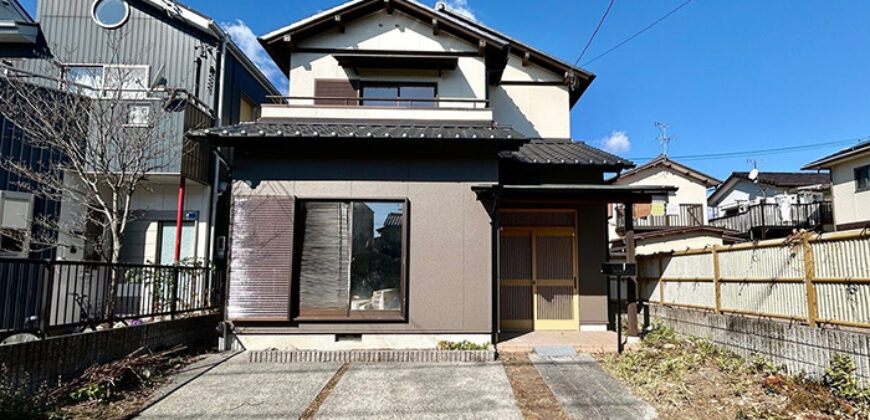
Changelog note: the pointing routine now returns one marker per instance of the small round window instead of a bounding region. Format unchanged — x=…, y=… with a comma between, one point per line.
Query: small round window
x=110, y=13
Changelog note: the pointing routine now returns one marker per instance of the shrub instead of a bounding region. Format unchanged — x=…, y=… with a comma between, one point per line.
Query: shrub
x=462, y=345
x=17, y=403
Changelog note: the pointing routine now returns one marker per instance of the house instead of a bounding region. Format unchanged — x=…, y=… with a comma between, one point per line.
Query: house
x=688, y=207
x=772, y=204
x=20, y=38
x=850, y=179
x=168, y=48
x=419, y=184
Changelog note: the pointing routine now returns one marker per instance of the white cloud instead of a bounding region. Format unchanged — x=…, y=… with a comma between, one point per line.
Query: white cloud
x=460, y=7
x=616, y=142
x=244, y=37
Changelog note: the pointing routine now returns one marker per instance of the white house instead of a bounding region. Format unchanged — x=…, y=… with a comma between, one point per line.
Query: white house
x=850, y=179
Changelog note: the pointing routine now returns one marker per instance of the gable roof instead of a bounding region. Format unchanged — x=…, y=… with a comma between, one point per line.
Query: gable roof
x=847, y=153
x=204, y=24
x=773, y=179
x=566, y=152
x=662, y=161
x=495, y=46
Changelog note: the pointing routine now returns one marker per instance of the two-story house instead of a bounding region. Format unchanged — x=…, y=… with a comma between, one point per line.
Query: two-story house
x=850, y=185
x=168, y=49
x=419, y=184
x=772, y=204
x=674, y=222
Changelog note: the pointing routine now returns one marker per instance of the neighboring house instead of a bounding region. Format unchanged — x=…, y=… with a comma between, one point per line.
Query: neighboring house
x=688, y=207
x=166, y=46
x=419, y=185
x=20, y=38
x=850, y=179
x=773, y=204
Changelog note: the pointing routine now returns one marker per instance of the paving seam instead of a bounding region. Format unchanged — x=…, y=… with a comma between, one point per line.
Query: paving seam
x=318, y=401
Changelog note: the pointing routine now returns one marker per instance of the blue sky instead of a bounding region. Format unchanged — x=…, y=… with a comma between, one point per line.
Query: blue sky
x=729, y=76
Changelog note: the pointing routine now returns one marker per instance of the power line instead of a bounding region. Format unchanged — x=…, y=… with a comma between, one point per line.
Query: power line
x=627, y=40
x=762, y=152
x=595, y=32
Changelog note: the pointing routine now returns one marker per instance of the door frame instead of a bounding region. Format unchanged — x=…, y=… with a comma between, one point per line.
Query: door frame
x=534, y=323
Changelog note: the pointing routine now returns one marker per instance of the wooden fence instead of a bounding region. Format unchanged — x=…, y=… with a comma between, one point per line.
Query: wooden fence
x=814, y=278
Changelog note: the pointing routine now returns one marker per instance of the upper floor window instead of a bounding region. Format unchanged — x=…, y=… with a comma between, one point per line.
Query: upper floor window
x=414, y=95
x=108, y=81
x=110, y=14
x=862, y=178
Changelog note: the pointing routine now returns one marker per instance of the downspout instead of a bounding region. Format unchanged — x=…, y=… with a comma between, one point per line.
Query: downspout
x=212, y=215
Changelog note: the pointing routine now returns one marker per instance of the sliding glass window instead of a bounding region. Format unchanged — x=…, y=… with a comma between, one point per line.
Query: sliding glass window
x=351, y=265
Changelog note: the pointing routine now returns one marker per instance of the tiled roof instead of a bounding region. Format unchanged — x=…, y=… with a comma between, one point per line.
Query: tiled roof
x=393, y=219
x=566, y=152
x=664, y=161
x=374, y=130
x=863, y=147
x=787, y=179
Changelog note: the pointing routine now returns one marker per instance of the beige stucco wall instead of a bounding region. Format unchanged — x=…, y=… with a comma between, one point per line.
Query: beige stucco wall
x=849, y=206
x=450, y=260
x=537, y=109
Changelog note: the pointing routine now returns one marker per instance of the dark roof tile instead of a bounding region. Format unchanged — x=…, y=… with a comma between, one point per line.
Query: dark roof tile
x=566, y=152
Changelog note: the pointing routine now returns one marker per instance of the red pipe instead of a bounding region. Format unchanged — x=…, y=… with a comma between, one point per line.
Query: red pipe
x=178, y=219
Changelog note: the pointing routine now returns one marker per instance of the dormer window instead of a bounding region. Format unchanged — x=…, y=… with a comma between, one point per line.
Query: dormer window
x=407, y=95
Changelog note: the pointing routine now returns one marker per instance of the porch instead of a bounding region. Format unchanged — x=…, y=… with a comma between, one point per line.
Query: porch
x=580, y=341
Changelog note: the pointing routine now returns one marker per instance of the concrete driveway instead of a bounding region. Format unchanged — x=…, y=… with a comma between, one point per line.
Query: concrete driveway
x=238, y=389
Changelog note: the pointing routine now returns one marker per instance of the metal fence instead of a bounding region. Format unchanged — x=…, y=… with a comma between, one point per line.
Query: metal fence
x=689, y=215
x=815, y=278
x=808, y=215
x=63, y=296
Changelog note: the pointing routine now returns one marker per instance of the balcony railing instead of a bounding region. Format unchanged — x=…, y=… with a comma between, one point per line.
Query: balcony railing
x=689, y=215
x=805, y=215
x=356, y=101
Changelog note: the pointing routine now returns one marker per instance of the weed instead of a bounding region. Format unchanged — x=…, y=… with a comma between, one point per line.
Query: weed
x=90, y=392
x=17, y=403
x=462, y=345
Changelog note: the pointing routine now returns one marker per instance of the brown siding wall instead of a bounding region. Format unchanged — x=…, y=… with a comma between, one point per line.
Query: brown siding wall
x=592, y=241
x=449, y=263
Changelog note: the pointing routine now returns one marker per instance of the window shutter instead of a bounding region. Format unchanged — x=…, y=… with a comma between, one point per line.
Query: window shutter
x=325, y=261
x=262, y=258
x=335, y=89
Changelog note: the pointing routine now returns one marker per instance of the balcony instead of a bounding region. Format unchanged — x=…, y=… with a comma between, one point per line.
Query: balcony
x=356, y=108
x=771, y=216
x=689, y=215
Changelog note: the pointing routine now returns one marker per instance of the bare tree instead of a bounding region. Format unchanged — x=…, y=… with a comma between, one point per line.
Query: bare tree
x=108, y=130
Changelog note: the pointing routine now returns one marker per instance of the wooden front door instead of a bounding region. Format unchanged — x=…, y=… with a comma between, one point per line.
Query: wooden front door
x=538, y=279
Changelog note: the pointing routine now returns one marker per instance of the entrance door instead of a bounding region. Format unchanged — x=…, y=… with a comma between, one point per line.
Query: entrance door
x=538, y=280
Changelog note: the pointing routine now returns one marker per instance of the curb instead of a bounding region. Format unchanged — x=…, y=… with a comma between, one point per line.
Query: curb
x=344, y=356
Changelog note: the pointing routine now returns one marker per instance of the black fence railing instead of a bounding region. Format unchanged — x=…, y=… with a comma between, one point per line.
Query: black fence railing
x=57, y=297
x=688, y=215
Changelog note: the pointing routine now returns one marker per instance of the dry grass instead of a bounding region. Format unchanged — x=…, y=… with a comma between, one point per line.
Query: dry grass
x=321, y=397
x=685, y=378
x=534, y=397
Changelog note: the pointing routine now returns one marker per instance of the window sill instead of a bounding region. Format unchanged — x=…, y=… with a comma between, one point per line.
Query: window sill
x=356, y=316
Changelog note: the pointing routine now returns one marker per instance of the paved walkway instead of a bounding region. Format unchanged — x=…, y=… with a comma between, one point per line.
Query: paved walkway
x=586, y=391
x=581, y=341
x=422, y=391
x=234, y=388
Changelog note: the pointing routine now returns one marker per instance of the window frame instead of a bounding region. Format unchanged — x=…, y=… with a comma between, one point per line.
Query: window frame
x=400, y=315
x=398, y=85
x=159, y=245
x=856, y=172
x=100, y=91
x=104, y=25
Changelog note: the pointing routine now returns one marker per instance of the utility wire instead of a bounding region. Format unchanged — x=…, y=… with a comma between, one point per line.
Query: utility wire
x=627, y=40
x=763, y=152
x=595, y=32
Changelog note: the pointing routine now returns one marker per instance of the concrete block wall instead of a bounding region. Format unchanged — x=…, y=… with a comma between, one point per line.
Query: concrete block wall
x=64, y=357
x=797, y=346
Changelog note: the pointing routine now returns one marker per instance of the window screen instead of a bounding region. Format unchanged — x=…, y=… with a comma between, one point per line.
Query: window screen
x=352, y=258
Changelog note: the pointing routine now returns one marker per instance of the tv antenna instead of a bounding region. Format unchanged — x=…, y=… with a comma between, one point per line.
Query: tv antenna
x=753, y=174
x=663, y=135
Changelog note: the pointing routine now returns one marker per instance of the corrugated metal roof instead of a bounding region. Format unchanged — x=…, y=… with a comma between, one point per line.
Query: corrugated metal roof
x=566, y=152
x=375, y=130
